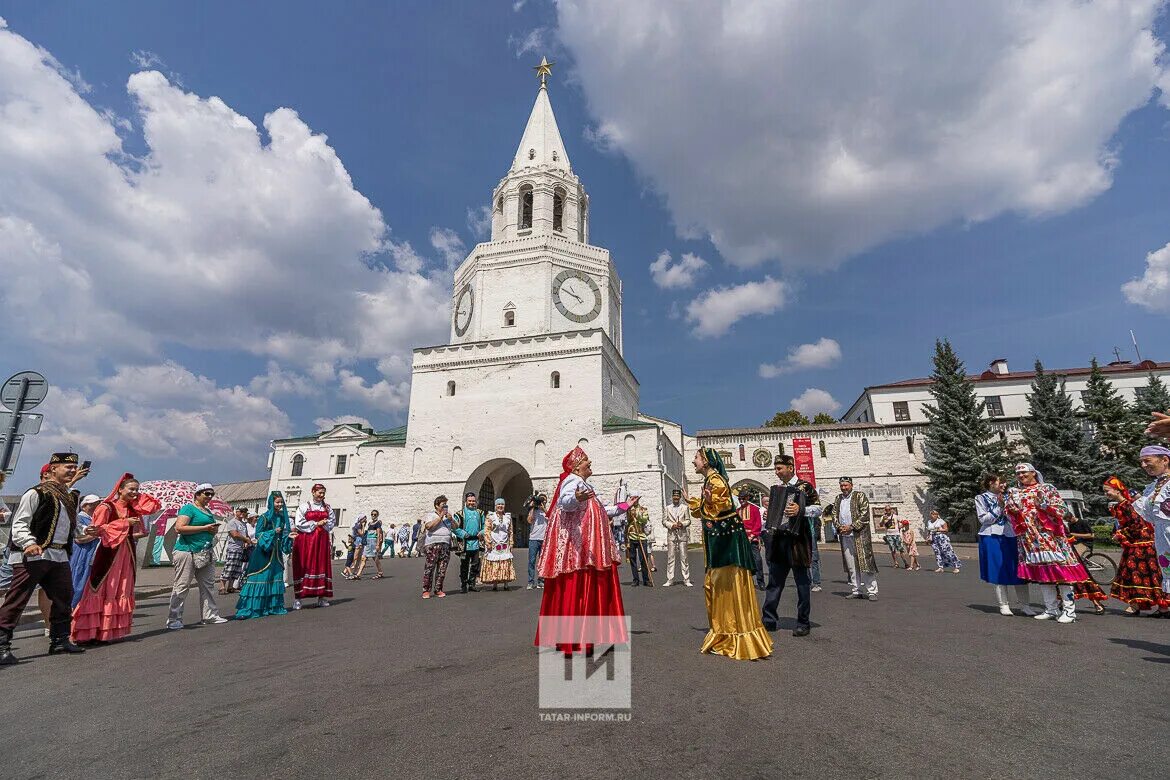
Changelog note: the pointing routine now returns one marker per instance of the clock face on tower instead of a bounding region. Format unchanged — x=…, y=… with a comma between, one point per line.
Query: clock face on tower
x=577, y=296
x=464, y=308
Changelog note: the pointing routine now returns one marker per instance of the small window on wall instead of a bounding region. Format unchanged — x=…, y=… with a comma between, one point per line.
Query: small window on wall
x=525, y=207
x=910, y=444
x=450, y=388
x=821, y=447
x=559, y=210
x=555, y=380
x=742, y=453
x=865, y=446
x=298, y=468
x=509, y=319
x=341, y=460
x=994, y=406
x=901, y=411
x=780, y=448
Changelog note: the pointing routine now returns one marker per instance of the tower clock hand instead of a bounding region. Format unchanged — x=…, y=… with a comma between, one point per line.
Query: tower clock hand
x=570, y=292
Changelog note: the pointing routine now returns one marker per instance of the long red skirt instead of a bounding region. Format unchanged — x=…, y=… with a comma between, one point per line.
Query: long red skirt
x=106, y=610
x=582, y=608
x=312, y=565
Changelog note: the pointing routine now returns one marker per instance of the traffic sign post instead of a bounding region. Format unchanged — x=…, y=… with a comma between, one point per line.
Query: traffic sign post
x=20, y=394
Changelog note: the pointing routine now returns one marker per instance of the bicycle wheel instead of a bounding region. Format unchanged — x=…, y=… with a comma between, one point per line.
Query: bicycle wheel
x=1102, y=568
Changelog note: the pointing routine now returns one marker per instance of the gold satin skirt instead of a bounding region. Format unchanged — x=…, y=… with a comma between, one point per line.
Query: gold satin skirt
x=737, y=630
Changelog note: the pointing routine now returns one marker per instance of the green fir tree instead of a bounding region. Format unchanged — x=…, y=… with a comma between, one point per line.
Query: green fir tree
x=824, y=418
x=1154, y=397
x=1055, y=435
x=1117, y=435
x=962, y=444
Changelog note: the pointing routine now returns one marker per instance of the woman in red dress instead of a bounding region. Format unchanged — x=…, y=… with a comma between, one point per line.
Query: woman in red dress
x=106, y=610
x=582, y=603
x=1138, y=581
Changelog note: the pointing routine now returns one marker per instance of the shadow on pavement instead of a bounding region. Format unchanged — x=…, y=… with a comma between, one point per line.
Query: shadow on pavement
x=1151, y=647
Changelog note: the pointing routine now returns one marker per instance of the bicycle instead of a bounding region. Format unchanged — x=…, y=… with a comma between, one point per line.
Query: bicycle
x=1102, y=568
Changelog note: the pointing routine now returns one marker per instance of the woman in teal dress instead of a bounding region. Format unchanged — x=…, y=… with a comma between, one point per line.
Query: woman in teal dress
x=263, y=590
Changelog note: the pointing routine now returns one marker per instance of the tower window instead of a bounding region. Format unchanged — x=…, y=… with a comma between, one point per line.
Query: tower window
x=509, y=319
x=559, y=210
x=451, y=388
x=554, y=156
x=531, y=154
x=298, y=468
x=555, y=380
x=500, y=203
x=526, y=207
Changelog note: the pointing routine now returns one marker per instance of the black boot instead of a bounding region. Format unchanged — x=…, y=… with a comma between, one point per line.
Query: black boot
x=6, y=656
x=63, y=645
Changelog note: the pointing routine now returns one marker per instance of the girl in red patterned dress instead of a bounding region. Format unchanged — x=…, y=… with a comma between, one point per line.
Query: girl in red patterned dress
x=1138, y=581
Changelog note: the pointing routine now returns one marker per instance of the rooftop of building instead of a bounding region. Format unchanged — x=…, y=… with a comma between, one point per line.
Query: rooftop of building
x=716, y=433
x=998, y=372
x=253, y=489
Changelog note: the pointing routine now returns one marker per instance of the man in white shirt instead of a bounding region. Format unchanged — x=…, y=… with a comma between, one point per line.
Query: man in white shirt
x=43, y=528
x=677, y=522
x=852, y=520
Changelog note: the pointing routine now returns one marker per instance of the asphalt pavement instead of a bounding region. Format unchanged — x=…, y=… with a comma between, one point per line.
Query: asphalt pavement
x=929, y=680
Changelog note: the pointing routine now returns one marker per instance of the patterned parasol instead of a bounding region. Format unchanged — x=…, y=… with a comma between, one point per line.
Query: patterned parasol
x=173, y=494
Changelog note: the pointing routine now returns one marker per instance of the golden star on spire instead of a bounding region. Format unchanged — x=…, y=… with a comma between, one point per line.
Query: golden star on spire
x=544, y=70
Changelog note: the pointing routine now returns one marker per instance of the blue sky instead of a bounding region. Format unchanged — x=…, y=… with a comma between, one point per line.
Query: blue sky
x=930, y=216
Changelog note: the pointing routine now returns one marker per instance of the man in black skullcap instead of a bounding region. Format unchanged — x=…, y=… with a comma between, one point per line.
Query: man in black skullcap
x=43, y=527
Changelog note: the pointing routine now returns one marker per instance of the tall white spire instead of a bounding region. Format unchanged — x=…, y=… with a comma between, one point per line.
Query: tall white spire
x=541, y=144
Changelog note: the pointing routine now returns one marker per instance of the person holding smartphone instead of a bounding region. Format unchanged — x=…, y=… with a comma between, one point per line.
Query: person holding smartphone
x=437, y=528
x=196, y=528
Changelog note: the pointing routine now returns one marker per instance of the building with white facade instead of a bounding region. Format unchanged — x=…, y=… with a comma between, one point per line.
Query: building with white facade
x=1005, y=392
x=534, y=367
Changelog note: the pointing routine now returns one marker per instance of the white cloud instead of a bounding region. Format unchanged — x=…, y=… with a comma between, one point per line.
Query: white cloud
x=383, y=395
x=535, y=41
x=223, y=236
x=814, y=400
x=162, y=411
x=1152, y=290
x=449, y=246
x=669, y=275
x=813, y=131
x=479, y=222
x=329, y=423
x=715, y=311
x=278, y=382
x=146, y=60
x=820, y=354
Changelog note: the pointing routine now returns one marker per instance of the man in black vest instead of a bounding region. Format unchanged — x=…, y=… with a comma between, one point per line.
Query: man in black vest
x=43, y=527
x=788, y=543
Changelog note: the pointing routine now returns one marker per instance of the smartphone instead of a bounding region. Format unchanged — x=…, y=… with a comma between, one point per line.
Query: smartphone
x=86, y=464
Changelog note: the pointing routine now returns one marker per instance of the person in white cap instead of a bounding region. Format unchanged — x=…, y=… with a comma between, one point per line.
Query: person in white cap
x=85, y=543
x=1038, y=516
x=196, y=528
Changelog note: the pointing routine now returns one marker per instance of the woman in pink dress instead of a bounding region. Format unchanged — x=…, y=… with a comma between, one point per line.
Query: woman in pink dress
x=582, y=602
x=106, y=610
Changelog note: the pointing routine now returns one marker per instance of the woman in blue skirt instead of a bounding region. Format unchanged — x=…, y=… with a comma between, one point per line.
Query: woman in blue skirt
x=263, y=590
x=998, y=555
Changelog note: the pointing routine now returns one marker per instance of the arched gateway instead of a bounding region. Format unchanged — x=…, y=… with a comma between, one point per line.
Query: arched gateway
x=507, y=479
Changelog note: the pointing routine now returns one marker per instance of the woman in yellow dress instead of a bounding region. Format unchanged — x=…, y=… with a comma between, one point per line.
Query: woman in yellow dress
x=732, y=610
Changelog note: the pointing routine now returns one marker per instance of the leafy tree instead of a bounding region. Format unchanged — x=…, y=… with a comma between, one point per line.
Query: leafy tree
x=786, y=419
x=962, y=442
x=1117, y=434
x=824, y=418
x=1055, y=435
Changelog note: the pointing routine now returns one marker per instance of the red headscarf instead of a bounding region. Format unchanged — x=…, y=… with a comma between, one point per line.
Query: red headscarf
x=145, y=504
x=1118, y=485
x=571, y=461
x=108, y=520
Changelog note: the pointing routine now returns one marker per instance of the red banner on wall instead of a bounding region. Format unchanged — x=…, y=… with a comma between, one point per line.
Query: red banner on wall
x=802, y=453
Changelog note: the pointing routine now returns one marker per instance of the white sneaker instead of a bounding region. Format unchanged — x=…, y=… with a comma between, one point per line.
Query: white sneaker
x=815, y=588
x=666, y=584
x=529, y=587
x=1004, y=609
x=322, y=602
x=689, y=584
x=1066, y=618
x=1024, y=609
x=174, y=626
x=1045, y=616
x=46, y=632
x=215, y=621
x=296, y=603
